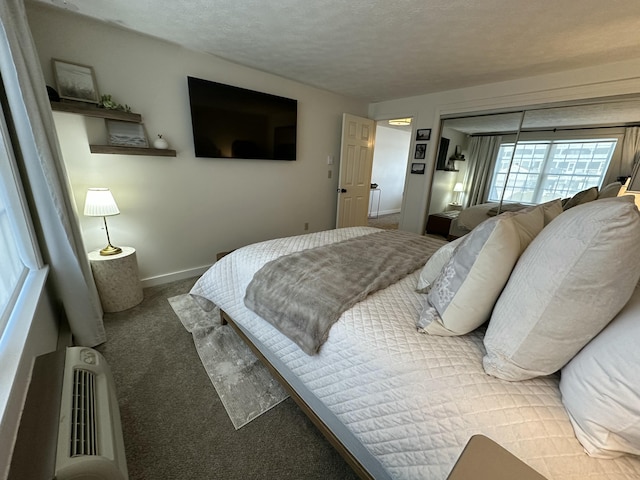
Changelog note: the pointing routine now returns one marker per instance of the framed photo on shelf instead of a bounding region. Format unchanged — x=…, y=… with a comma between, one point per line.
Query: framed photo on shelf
x=126, y=134
x=418, y=168
x=421, y=149
x=423, y=134
x=75, y=82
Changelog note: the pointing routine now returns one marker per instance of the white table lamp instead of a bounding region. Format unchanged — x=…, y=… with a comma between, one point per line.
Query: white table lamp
x=458, y=189
x=100, y=203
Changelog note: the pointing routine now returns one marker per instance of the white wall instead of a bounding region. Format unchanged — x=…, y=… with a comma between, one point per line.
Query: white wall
x=179, y=212
x=390, y=165
x=619, y=78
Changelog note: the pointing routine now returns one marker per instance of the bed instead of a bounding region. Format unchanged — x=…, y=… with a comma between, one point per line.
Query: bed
x=399, y=403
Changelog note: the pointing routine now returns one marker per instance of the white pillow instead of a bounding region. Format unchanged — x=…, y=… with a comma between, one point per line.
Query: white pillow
x=463, y=294
x=435, y=264
x=571, y=281
x=601, y=387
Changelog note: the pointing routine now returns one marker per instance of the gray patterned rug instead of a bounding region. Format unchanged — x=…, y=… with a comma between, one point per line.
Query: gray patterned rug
x=242, y=382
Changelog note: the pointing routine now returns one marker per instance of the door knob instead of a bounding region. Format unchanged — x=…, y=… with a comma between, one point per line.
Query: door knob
x=342, y=190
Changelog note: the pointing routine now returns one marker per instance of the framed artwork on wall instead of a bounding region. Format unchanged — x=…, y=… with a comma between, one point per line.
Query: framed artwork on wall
x=75, y=82
x=418, y=168
x=421, y=149
x=423, y=134
x=126, y=134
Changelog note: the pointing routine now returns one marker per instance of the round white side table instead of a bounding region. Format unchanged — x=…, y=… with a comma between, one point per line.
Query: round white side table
x=117, y=279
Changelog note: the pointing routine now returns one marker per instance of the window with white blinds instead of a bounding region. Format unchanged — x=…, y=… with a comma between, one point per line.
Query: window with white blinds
x=544, y=170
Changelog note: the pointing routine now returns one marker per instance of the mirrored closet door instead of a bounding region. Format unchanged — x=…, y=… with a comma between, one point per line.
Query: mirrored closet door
x=502, y=161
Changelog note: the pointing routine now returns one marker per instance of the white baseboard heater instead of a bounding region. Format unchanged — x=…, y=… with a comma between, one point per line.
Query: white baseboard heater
x=88, y=442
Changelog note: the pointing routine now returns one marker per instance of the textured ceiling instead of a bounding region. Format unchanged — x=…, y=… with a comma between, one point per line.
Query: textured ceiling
x=385, y=49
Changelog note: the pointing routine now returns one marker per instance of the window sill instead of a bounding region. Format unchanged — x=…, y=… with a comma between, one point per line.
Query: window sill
x=16, y=357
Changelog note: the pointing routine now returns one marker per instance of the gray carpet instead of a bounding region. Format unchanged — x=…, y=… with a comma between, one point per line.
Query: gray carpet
x=386, y=222
x=174, y=424
x=242, y=382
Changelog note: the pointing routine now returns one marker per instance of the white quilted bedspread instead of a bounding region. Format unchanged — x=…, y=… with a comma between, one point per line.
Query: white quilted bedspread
x=413, y=400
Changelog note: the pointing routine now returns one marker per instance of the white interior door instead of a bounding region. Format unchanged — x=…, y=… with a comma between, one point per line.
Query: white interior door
x=356, y=160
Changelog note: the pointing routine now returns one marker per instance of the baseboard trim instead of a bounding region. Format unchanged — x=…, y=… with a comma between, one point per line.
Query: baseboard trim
x=172, y=277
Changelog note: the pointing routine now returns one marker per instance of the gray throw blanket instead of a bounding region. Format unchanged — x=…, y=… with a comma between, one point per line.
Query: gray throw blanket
x=303, y=294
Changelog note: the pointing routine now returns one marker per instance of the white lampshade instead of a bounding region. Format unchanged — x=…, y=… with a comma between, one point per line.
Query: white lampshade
x=458, y=187
x=100, y=203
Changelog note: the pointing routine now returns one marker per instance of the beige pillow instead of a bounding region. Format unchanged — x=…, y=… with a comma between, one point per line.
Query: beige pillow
x=463, y=295
x=585, y=196
x=551, y=209
x=571, y=281
x=610, y=190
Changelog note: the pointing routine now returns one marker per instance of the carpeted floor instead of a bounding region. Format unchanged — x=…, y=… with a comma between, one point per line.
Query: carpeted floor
x=387, y=222
x=175, y=426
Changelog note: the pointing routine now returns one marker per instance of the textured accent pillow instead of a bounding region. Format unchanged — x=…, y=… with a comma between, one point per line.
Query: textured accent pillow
x=551, y=209
x=435, y=264
x=571, y=281
x=463, y=295
x=600, y=387
x=610, y=190
x=585, y=196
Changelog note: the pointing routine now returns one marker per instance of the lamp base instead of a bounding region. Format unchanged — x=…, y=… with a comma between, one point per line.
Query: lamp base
x=110, y=250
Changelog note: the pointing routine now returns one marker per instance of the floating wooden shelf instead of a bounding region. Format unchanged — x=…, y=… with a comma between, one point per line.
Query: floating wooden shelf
x=91, y=111
x=117, y=150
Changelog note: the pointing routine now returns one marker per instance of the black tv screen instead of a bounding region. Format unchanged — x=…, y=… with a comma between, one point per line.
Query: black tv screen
x=233, y=122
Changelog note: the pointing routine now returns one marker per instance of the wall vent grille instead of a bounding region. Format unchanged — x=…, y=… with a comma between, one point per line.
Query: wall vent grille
x=83, y=433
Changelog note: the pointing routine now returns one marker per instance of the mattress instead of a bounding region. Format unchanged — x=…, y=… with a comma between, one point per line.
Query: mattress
x=406, y=403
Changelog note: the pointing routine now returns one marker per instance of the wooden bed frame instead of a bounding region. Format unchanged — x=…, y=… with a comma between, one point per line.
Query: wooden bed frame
x=351, y=460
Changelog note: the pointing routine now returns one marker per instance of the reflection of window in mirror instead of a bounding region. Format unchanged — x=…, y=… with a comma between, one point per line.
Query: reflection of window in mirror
x=542, y=170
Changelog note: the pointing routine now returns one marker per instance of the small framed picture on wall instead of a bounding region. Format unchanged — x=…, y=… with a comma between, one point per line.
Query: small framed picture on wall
x=418, y=168
x=75, y=81
x=126, y=134
x=423, y=134
x=421, y=149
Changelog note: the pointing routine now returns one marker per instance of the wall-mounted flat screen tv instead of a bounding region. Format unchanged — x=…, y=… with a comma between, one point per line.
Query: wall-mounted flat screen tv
x=233, y=122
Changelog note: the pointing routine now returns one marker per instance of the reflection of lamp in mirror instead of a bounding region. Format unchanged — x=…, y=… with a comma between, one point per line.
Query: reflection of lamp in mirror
x=100, y=203
x=457, y=189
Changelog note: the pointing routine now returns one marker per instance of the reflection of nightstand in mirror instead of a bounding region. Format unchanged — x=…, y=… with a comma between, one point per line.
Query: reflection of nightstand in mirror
x=117, y=279
x=484, y=459
x=440, y=223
